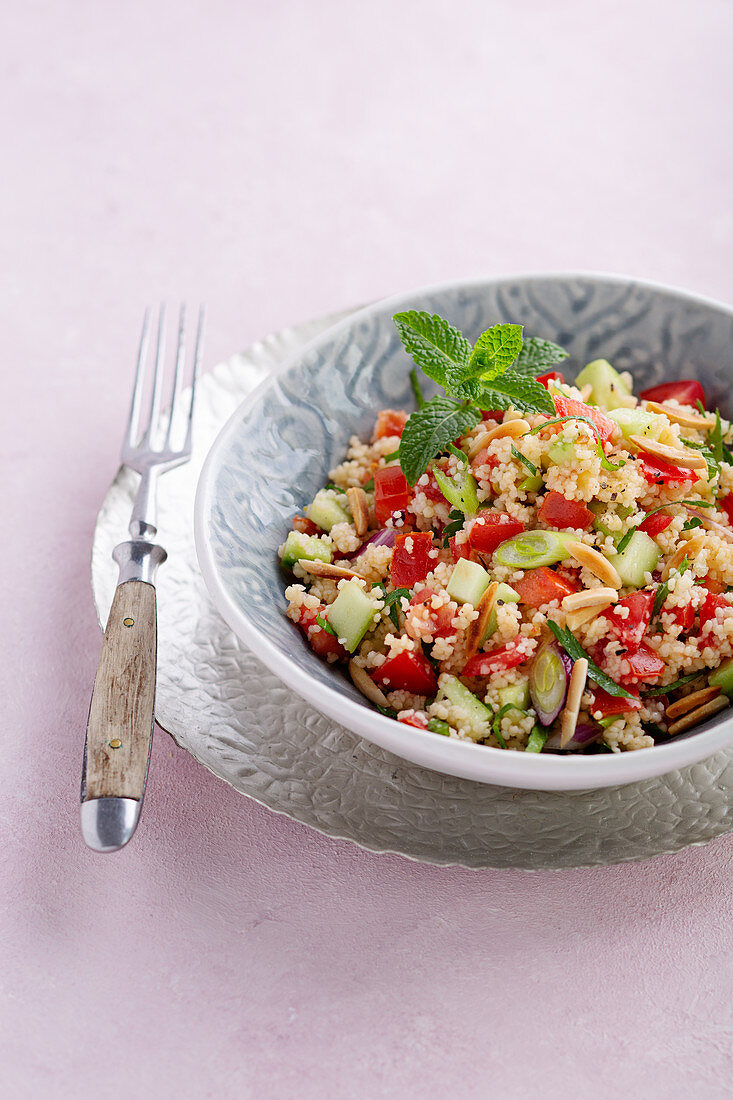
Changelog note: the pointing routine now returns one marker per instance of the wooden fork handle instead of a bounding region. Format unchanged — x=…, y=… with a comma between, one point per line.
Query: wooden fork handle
x=121, y=715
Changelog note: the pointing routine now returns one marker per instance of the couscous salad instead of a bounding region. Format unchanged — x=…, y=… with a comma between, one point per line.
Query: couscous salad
x=525, y=562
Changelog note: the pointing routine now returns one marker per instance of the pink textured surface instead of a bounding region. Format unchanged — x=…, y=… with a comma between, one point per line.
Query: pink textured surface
x=282, y=160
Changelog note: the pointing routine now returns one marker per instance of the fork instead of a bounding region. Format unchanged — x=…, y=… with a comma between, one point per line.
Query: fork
x=121, y=713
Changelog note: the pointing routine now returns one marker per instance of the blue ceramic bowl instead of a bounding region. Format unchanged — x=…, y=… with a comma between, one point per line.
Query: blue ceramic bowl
x=276, y=451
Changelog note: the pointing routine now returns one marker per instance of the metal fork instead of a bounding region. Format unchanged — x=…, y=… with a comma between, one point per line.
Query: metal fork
x=121, y=713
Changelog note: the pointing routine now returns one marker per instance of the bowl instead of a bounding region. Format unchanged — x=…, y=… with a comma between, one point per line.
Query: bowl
x=275, y=453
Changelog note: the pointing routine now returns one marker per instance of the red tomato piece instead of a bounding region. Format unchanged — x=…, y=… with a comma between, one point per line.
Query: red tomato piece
x=658, y=472
x=605, y=705
x=654, y=525
x=408, y=671
x=710, y=606
x=726, y=503
x=683, y=616
x=687, y=391
x=410, y=559
x=422, y=596
x=483, y=458
x=630, y=629
x=459, y=550
x=568, y=406
x=419, y=721
x=551, y=376
x=391, y=492
x=557, y=511
x=492, y=414
x=644, y=664
x=540, y=586
x=484, y=664
x=320, y=641
x=389, y=422
x=491, y=529
x=305, y=526
x=439, y=619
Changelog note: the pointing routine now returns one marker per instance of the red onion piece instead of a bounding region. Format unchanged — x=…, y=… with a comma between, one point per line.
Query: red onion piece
x=385, y=537
x=585, y=733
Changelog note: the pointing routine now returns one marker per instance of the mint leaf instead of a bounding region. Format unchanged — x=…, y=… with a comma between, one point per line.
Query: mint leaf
x=429, y=430
x=434, y=344
x=537, y=355
x=495, y=351
x=514, y=390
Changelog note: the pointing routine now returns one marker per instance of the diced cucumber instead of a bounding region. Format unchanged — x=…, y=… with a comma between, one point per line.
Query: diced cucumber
x=516, y=694
x=297, y=545
x=325, y=511
x=458, y=694
x=598, y=508
x=640, y=556
x=638, y=422
x=468, y=582
x=534, y=548
x=531, y=484
x=562, y=451
x=459, y=490
x=351, y=614
x=722, y=677
x=607, y=385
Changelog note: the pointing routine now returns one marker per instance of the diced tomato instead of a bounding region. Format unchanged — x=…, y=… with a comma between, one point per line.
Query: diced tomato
x=726, y=503
x=422, y=596
x=389, y=422
x=305, y=526
x=551, y=376
x=654, y=525
x=492, y=414
x=391, y=492
x=710, y=605
x=419, y=721
x=540, y=586
x=321, y=641
x=410, y=559
x=715, y=586
x=568, y=406
x=491, y=529
x=431, y=489
x=644, y=664
x=439, y=620
x=658, y=472
x=459, y=550
x=630, y=628
x=683, y=616
x=687, y=391
x=483, y=458
x=485, y=664
x=407, y=671
x=557, y=511
x=605, y=705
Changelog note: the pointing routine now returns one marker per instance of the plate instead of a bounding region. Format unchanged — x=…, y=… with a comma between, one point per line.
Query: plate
x=220, y=704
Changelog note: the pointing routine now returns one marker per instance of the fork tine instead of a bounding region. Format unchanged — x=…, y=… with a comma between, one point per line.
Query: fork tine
x=178, y=376
x=152, y=427
x=194, y=376
x=133, y=422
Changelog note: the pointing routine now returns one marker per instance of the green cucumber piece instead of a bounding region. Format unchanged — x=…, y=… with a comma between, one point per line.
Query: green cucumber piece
x=533, y=548
x=641, y=555
x=531, y=484
x=351, y=614
x=722, y=677
x=311, y=547
x=459, y=490
x=459, y=696
x=562, y=451
x=468, y=582
x=515, y=694
x=607, y=385
x=638, y=422
x=325, y=511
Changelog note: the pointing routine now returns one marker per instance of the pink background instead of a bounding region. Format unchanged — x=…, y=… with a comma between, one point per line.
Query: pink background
x=281, y=160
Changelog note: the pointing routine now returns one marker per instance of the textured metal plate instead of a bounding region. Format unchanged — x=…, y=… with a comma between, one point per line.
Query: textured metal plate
x=221, y=705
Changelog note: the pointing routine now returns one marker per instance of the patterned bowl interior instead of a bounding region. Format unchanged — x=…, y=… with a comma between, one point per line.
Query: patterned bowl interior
x=295, y=429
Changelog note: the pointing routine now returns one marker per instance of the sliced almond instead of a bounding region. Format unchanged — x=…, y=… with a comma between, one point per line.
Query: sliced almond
x=477, y=627
x=477, y=444
x=576, y=687
x=687, y=550
x=512, y=428
x=589, y=597
x=679, y=416
x=359, y=510
x=594, y=561
x=677, y=456
x=325, y=569
x=574, y=619
x=691, y=701
x=694, y=717
x=366, y=685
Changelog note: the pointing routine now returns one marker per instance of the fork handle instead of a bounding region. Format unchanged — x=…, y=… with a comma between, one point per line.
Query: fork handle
x=120, y=726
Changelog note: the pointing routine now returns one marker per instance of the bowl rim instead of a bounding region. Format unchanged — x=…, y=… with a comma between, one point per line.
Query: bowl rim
x=481, y=763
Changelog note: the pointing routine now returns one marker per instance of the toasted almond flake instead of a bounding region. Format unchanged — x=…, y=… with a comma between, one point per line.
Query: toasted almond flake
x=679, y=416
x=366, y=685
x=594, y=561
x=475, y=629
x=512, y=428
x=590, y=597
x=677, y=456
x=325, y=569
x=691, y=701
x=576, y=687
x=574, y=619
x=694, y=717
x=687, y=550
x=359, y=510
x=477, y=444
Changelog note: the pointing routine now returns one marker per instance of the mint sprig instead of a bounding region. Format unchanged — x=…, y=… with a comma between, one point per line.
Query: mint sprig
x=429, y=430
x=495, y=351
x=537, y=355
x=435, y=345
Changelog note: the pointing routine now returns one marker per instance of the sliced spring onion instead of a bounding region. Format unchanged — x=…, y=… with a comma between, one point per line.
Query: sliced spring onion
x=574, y=649
x=452, y=449
x=525, y=461
x=548, y=682
x=459, y=490
x=532, y=549
x=320, y=621
x=536, y=740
